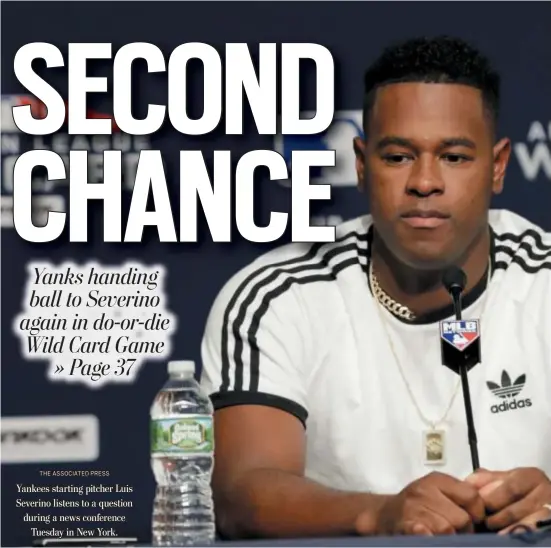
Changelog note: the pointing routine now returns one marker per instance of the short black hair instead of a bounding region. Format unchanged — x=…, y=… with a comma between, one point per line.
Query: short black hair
x=442, y=59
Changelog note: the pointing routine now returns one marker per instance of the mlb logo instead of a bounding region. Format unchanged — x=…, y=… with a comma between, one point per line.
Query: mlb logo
x=460, y=333
x=346, y=125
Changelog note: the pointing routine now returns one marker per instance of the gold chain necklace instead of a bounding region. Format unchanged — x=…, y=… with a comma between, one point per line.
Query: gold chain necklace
x=387, y=301
x=434, y=440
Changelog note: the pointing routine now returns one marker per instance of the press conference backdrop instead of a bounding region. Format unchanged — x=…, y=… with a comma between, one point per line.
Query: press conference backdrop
x=106, y=428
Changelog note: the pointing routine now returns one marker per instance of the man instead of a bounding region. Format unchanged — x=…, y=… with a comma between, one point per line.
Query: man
x=334, y=415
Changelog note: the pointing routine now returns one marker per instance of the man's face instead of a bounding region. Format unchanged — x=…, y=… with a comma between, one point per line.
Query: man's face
x=429, y=165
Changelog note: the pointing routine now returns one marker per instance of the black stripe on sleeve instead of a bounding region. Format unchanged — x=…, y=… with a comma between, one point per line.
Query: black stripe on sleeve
x=518, y=238
x=530, y=253
x=253, y=293
x=248, y=284
x=525, y=247
x=229, y=399
x=226, y=321
x=529, y=269
x=263, y=308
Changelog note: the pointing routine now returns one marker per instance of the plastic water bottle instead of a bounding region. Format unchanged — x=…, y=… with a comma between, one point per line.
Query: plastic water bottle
x=182, y=455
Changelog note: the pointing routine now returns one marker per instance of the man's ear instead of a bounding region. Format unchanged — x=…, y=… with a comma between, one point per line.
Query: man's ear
x=359, y=151
x=502, y=153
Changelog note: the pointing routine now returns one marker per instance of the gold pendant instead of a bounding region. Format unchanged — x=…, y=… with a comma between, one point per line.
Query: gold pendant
x=434, y=447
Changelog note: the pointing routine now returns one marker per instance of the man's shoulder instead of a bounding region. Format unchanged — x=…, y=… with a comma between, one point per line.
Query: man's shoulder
x=504, y=221
x=269, y=271
x=347, y=233
x=522, y=259
x=520, y=243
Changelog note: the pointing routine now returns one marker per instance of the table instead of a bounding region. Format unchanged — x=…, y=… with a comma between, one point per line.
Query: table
x=483, y=540
x=539, y=539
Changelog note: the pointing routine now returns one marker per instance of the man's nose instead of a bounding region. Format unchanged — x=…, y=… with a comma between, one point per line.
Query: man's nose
x=425, y=177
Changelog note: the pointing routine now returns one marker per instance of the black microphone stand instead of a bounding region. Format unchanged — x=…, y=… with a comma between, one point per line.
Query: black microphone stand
x=455, y=282
x=471, y=432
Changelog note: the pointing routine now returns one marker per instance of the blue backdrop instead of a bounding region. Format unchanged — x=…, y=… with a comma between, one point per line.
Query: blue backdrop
x=514, y=35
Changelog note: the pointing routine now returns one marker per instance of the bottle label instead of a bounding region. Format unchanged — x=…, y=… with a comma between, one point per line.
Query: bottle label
x=193, y=434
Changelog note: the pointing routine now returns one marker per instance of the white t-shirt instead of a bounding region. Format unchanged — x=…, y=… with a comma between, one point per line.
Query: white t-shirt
x=299, y=330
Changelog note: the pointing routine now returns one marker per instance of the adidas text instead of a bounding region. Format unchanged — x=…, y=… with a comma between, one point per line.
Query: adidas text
x=506, y=406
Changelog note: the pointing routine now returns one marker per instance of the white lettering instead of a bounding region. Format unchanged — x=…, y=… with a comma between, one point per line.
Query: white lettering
x=244, y=200
x=291, y=123
x=303, y=192
x=215, y=200
x=122, y=93
x=80, y=85
x=82, y=191
x=260, y=92
x=22, y=66
x=177, y=94
x=22, y=196
x=150, y=175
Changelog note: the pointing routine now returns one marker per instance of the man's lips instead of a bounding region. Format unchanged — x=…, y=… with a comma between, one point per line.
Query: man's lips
x=430, y=218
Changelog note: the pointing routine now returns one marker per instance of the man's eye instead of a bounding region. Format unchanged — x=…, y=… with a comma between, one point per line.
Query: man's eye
x=395, y=159
x=456, y=158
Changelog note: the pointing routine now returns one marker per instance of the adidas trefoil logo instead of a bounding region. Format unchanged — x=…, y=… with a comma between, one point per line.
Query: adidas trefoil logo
x=508, y=392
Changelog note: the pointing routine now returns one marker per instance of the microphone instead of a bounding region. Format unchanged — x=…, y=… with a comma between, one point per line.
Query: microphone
x=460, y=345
x=455, y=280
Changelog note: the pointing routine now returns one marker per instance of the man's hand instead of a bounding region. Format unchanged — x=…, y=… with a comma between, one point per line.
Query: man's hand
x=513, y=498
x=436, y=504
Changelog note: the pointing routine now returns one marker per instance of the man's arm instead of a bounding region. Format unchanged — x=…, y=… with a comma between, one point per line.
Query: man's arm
x=259, y=486
x=257, y=355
